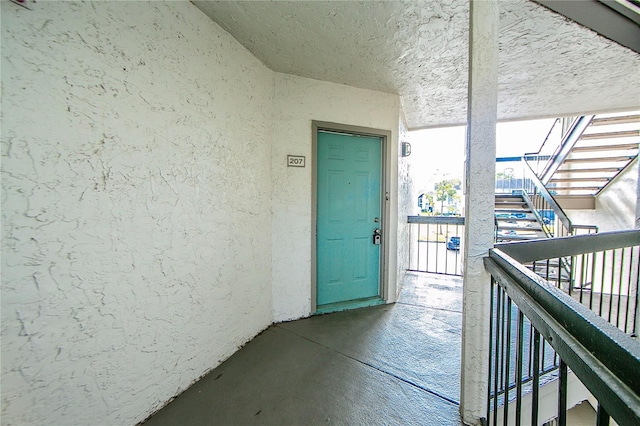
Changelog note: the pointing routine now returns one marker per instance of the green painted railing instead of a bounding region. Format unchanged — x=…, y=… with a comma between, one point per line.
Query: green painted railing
x=531, y=315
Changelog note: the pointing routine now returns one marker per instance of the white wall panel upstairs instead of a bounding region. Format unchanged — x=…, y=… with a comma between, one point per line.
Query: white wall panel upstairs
x=136, y=206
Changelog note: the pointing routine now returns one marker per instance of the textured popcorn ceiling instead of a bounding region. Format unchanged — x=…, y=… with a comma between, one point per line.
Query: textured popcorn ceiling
x=549, y=66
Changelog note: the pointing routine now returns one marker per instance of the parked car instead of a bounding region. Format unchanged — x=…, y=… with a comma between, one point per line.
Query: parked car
x=453, y=243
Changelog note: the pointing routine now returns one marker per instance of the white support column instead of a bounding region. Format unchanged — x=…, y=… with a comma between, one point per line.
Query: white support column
x=479, y=200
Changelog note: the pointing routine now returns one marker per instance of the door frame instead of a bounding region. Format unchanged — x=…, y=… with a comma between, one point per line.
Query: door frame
x=385, y=141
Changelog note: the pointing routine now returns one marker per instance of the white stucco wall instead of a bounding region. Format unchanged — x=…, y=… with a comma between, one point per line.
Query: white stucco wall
x=615, y=206
x=136, y=206
x=407, y=205
x=298, y=101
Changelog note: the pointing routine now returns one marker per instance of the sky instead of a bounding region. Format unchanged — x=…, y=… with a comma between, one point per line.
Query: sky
x=439, y=153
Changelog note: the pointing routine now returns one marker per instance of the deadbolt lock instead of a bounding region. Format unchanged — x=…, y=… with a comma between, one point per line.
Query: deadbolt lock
x=376, y=236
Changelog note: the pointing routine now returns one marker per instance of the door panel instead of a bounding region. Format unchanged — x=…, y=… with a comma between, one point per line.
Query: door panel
x=349, y=170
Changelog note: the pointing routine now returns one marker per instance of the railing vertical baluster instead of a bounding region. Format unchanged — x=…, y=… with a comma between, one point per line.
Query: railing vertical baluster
x=426, y=268
x=502, y=340
x=571, y=274
x=460, y=234
x=491, y=353
x=454, y=254
x=593, y=279
x=446, y=252
x=628, y=301
x=530, y=374
x=419, y=233
x=457, y=252
x=519, y=361
x=496, y=354
x=536, y=378
x=636, y=282
x=410, y=243
x=534, y=266
x=562, y=394
x=546, y=272
x=575, y=278
x=542, y=355
x=583, y=275
x=613, y=269
x=602, y=417
x=507, y=363
x=619, y=305
x=602, y=281
x=436, y=247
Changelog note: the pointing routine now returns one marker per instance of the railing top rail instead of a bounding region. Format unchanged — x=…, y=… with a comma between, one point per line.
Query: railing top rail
x=603, y=357
x=574, y=133
x=546, y=139
x=508, y=159
x=528, y=251
x=536, y=213
x=544, y=193
x=440, y=220
x=585, y=226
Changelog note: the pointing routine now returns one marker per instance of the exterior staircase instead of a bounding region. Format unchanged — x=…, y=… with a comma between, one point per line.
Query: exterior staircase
x=589, y=154
x=592, y=153
x=515, y=221
x=595, y=151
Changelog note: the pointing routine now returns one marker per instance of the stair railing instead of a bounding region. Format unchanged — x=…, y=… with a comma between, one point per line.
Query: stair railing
x=544, y=153
x=563, y=149
x=568, y=142
x=544, y=206
x=547, y=210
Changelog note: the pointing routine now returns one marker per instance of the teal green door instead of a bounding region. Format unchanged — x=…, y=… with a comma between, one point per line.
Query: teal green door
x=349, y=171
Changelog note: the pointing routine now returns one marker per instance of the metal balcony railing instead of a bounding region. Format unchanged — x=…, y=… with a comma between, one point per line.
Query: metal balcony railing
x=545, y=338
x=435, y=244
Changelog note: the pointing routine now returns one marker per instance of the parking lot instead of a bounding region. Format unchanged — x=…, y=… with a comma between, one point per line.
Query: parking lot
x=431, y=256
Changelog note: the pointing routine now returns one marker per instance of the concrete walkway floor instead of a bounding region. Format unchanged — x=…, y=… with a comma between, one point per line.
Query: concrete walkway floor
x=385, y=365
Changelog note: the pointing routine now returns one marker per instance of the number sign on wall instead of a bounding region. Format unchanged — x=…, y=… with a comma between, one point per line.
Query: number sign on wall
x=295, y=160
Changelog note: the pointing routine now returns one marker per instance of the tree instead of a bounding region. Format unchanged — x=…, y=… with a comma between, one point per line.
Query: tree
x=505, y=174
x=445, y=189
x=504, y=178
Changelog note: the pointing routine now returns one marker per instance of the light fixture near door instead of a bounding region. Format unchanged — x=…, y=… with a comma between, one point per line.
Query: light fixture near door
x=406, y=149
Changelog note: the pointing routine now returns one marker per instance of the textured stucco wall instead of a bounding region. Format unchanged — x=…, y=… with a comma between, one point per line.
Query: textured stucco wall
x=406, y=203
x=615, y=206
x=552, y=67
x=136, y=206
x=298, y=101
x=549, y=66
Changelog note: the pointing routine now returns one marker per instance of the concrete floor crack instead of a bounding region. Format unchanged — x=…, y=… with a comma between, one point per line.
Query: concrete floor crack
x=429, y=307
x=402, y=379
